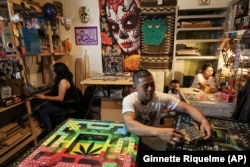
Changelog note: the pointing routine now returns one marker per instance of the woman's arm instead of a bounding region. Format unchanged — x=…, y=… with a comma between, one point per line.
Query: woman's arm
x=62, y=88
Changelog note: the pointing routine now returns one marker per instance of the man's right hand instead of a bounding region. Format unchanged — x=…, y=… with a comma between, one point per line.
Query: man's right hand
x=170, y=135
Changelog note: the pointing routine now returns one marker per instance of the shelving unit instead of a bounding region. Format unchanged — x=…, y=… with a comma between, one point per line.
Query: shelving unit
x=16, y=135
x=15, y=5
x=199, y=33
x=234, y=59
x=241, y=15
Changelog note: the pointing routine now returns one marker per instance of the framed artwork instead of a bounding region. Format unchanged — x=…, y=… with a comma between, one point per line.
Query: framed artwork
x=203, y=2
x=113, y=64
x=86, y=35
x=120, y=34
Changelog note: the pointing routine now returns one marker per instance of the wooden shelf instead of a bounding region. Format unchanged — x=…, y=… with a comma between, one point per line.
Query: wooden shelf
x=198, y=40
x=18, y=139
x=19, y=146
x=2, y=109
x=200, y=29
x=192, y=17
x=52, y=54
x=196, y=58
x=17, y=136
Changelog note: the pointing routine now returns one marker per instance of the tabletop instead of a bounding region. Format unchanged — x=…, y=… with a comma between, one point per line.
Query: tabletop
x=86, y=143
x=108, y=80
x=209, y=103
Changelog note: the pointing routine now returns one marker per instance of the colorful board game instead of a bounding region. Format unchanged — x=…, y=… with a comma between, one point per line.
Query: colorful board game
x=196, y=97
x=85, y=143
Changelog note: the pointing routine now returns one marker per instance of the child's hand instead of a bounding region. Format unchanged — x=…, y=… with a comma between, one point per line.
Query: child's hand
x=207, y=89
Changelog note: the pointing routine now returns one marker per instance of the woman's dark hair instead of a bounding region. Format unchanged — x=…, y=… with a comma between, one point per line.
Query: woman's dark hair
x=205, y=66
x=62, y=72
x=142, y=73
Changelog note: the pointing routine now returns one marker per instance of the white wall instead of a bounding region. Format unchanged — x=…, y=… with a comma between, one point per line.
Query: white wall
x=71, y=11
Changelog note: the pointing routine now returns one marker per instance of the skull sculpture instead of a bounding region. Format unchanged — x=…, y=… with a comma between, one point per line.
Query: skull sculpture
x=84, y=14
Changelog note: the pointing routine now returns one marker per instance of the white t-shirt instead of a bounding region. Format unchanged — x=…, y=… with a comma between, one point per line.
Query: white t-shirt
x=177, y=94
x=200, y=78
x=149, y=114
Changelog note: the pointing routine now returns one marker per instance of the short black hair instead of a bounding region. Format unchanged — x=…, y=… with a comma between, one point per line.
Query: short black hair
x=142, y=73
x=174, y=81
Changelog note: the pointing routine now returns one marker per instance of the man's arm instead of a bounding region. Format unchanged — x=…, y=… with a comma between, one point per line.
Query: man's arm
x=198, y=116
x=136, y=127
x=166, y=134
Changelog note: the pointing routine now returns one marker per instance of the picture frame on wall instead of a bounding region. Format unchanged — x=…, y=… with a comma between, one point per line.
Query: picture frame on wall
x=113, y=64
x=203, y=2
x=86, y=36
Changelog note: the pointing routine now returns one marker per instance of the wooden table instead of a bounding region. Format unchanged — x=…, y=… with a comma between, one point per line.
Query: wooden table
x=102, y=80
x=110, y=106
x=209, y=103
x=80, y=142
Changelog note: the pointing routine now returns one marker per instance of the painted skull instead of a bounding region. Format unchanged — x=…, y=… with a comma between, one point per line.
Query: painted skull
x=124, y=22
x=84, y=14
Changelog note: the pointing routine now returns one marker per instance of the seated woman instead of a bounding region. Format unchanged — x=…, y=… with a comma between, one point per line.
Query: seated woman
x=63, y=89
x=205, y=80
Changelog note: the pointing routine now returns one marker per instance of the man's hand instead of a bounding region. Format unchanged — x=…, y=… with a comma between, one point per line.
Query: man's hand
x=205, y=128
x=170, y=135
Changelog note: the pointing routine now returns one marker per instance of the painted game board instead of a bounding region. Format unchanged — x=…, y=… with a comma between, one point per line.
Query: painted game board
x=196, y=97
x=85, y=143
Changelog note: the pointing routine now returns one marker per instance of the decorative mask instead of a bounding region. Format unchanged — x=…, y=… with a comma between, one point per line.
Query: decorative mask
x=84, y=14
x=124, y=22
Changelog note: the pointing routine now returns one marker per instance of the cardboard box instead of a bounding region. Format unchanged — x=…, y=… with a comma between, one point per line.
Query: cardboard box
x=116, y=93
x=15, y=84
x=111, y=109
x=227, y=98
x=5, y=92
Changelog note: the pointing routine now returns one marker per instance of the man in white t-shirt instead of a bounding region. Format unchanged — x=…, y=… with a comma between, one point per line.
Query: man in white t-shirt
x=142, y=110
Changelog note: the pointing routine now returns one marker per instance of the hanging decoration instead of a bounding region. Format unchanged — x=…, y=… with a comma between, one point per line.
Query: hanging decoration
x=203, y=2
x=154, y=30
x=120, y=32
x=86, y=35
x=157, y=37
x=84, y=14
x=228, y=52
x=49, y=11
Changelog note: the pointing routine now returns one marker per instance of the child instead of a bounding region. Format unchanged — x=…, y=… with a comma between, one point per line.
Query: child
x=174, y=88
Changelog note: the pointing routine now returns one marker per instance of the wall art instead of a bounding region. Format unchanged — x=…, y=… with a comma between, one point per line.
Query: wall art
x=86, y=35
x=203, y=2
